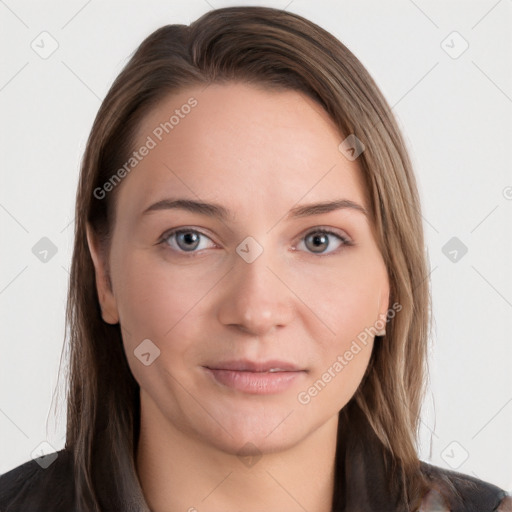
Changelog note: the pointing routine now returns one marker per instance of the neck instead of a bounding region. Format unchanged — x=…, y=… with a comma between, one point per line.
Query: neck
x=179, y=472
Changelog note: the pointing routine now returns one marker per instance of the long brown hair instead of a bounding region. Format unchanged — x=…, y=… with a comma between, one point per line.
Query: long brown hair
x=277, y=50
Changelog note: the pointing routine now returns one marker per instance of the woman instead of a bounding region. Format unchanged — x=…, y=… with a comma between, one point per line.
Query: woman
x=248, y=304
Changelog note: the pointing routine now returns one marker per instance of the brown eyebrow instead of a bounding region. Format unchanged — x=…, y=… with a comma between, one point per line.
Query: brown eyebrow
x=220, y=212
x=325, y=207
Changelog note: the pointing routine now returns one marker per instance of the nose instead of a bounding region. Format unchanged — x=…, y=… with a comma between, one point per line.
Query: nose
x=256, y=299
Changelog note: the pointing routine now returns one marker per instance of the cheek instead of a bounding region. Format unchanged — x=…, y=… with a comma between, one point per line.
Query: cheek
x=346, y=296
x=350, y=309
x=347, y=301
x=157, y=301
x=333, y=385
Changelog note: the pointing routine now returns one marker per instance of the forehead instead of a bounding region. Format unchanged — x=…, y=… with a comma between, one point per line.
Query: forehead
x=243, y=146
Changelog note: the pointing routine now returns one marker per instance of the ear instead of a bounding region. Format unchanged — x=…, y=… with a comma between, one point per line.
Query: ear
x=106, y=297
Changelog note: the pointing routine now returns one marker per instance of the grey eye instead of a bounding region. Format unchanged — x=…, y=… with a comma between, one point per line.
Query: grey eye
x=187, y=240
x=319, y=240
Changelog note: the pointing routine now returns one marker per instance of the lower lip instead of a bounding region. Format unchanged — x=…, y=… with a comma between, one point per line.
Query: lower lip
x=258, y=383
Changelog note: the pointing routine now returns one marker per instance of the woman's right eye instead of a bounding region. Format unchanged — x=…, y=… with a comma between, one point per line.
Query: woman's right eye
x=184, y=240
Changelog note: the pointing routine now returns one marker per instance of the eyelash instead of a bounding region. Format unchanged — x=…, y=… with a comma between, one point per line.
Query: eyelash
x=345, y=241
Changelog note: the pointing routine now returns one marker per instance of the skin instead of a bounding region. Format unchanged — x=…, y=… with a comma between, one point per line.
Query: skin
x=258, y=153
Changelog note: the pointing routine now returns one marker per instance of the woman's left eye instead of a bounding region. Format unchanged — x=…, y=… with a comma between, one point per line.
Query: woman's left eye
x=188, y=240
x=319, y=241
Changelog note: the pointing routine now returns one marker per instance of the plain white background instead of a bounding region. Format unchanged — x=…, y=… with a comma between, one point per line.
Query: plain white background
x=453, y=104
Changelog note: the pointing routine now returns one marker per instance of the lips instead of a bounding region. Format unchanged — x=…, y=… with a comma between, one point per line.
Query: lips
x=244, y=365
x=262, y=378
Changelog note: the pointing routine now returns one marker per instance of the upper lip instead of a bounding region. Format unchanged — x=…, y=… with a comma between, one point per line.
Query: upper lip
x=244, y=365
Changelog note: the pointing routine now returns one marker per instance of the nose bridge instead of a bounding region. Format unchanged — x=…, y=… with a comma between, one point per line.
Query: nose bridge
x=255, y=275
x=258, y=298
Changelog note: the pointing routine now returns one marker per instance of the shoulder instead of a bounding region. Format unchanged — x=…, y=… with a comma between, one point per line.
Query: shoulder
x=46, y=481
x=458, y=492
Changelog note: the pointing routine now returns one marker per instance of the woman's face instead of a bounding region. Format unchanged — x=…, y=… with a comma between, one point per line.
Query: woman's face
x=257, y=289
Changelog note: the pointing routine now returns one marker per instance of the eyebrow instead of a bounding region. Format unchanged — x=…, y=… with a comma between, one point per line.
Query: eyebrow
x=220, y=212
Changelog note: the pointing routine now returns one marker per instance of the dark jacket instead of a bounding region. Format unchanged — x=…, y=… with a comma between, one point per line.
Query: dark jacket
x=46, y=485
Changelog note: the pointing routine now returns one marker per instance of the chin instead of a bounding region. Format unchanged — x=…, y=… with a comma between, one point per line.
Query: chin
x=246, y=444
x=255, y=433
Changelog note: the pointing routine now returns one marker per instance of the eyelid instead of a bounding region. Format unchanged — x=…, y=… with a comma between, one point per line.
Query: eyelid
x=327, y=229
